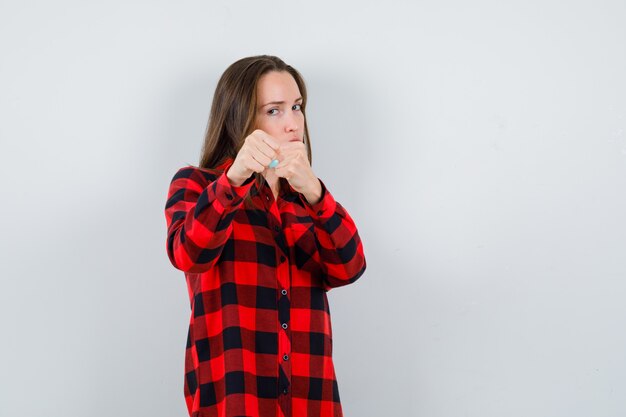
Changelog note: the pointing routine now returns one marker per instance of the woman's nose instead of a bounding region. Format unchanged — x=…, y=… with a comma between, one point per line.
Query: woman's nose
x=291, y=126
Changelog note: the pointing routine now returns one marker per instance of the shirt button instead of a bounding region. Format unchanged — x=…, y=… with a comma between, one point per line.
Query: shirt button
x=267, y=197
x=285, y=390
x=282, y=258
x=277, y=228
x=285, y=357
x=284, y=325
x=284, y=292
x=320, y=212
x=229, y=196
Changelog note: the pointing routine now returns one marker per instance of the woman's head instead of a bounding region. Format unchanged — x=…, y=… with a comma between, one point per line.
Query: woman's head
x=258, y=92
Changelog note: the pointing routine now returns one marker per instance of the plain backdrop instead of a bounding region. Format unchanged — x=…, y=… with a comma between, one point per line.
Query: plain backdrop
x=480, y=147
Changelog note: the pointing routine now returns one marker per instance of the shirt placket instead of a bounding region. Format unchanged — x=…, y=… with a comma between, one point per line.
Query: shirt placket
x=283, y=306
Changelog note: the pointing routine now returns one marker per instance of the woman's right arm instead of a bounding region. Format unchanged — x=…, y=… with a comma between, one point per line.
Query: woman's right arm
x=201, y=206
x=199, y=212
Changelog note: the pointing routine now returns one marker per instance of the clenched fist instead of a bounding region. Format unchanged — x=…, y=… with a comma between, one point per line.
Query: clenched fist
x=255, y=155
x=260, y=148
x=294, y=166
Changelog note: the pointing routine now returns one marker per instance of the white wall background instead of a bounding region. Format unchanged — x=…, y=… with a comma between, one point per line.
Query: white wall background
x=480, y=147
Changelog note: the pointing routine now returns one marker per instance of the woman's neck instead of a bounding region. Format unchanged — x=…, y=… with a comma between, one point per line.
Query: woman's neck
x=274, y=182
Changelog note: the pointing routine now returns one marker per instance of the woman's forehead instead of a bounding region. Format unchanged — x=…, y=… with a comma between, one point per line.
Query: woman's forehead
x=277, y=86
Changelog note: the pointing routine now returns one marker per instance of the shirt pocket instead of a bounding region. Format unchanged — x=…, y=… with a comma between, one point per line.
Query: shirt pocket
x=304, y=246
x=302, y=231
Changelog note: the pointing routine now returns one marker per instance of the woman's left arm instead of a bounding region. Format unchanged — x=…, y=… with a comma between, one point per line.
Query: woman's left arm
x=340, y=247
x=336, y=235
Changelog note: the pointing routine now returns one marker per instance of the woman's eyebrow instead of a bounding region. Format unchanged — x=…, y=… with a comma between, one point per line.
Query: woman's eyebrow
x=280, y=102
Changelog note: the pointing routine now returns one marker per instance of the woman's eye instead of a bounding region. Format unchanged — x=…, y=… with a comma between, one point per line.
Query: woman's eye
x=297, y=107
x=272, y=112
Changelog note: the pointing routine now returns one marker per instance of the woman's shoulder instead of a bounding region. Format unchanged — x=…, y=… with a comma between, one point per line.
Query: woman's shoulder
x=199, y=174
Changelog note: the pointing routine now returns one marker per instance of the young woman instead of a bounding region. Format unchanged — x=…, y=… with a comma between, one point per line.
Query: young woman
x=261, y=240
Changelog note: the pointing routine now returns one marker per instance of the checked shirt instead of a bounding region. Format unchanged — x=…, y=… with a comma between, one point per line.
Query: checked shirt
x=257, y=271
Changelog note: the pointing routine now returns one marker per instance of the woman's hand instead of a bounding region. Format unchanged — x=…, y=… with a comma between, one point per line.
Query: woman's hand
x=294, y=167
x=255, y=155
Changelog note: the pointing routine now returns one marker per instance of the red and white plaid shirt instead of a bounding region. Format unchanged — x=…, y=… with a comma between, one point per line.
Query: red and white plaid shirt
x=260, y=336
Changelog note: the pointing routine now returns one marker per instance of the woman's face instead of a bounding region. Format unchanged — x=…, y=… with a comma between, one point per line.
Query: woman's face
x=278, y=107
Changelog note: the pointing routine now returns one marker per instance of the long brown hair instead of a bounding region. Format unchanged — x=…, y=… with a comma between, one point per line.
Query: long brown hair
x=234, y=109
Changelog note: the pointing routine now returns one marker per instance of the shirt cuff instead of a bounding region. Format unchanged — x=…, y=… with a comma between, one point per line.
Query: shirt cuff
x=323, y=209
x=228, y=194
